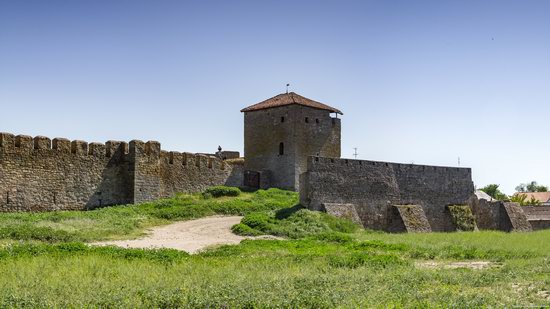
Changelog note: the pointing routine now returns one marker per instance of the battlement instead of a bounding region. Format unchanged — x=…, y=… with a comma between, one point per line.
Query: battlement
x=355, y=164
x=187, y=160
x=24, y=144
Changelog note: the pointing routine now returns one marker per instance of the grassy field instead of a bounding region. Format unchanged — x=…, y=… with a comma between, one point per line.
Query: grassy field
x=131, y=220
x=325, y=262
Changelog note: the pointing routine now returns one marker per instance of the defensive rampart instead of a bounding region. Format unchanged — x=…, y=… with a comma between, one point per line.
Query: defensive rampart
x=39, y=174
x=538, y=216
x=376, y=188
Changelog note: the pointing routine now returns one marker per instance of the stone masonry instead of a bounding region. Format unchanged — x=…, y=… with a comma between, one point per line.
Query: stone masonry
x=38, y=174
x=377, y=188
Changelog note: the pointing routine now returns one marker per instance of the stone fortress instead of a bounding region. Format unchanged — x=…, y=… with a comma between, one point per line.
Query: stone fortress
x=290, y=142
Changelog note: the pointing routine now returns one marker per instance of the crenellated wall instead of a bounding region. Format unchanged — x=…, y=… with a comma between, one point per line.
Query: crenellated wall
x=376, y=187
x=39, y=174
x=187, y=172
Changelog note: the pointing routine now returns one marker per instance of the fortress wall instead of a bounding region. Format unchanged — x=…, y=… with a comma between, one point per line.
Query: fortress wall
x=374, y=187
x=187, y=172
x=38, y=174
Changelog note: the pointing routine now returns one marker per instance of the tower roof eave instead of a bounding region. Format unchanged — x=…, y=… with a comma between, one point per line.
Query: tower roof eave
x=290, y=98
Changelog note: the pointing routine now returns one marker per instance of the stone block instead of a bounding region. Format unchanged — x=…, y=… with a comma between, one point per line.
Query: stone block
x=414, y=218
x=152, y=148
x=97, y=149
x=79, y=147
x=7, y=140
x=24, y=142
x=346, y=211
x=42, y=142
x=62, y=145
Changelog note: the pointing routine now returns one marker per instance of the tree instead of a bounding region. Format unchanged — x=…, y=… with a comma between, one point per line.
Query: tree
x=533, y=186
x=494, y=192
x=523, y=201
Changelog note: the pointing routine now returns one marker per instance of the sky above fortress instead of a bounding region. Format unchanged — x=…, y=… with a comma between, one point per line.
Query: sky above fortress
x=418, y=81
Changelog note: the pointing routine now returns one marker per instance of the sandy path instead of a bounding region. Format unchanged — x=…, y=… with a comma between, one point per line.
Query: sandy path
x=190, y=236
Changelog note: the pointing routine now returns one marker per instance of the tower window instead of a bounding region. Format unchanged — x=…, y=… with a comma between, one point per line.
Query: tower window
x=281, y=148
x=316, y=120
x=307, y=120
x=282, y=119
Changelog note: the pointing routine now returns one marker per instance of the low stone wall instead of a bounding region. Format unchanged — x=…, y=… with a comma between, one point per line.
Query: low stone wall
x=413, y=218
x=538, y=216
x=498, y=215
x=373, y=187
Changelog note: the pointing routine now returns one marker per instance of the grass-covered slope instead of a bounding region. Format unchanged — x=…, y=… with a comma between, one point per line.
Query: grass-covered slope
x=294, y=222
x=130, y=220
x=324, y=262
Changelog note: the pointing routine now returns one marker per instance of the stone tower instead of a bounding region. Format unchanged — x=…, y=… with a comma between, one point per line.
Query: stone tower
x=281, y=132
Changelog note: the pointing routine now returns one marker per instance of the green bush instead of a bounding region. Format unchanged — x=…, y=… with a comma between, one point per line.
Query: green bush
x=296, y=222
x=245, y=230
x=219, y=191
x=260, y=221
x=462, y=217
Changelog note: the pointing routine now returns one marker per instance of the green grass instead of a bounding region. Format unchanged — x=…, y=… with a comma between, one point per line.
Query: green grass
x=324, y=263
x=293, y=222
x=259, y=273
x=131, y=220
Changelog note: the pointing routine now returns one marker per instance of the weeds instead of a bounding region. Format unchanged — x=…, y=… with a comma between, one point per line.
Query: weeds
x=295, y=223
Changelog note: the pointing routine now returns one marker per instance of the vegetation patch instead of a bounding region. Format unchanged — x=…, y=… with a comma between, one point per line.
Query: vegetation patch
x=128, y=221
x=219, y=191
x=296, y=222
x=463, y=218
x=80, y=249
x=326, y=262
x=358, y=259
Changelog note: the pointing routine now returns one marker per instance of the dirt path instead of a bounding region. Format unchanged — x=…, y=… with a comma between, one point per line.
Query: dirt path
x=190, y=236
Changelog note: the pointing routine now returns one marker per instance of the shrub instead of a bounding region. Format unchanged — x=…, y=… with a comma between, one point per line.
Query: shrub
x=296, y=222
x=245, y=230
x=258, y=220
x=219, y=191
x=462, y=217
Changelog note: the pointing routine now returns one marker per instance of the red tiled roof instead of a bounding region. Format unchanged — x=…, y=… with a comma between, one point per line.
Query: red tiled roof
x=289, y=99
x=539, y=196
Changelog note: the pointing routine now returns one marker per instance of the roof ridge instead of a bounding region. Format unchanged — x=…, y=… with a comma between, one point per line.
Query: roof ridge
x=284, y=99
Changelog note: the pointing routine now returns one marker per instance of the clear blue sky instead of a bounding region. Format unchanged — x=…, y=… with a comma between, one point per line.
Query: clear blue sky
x=418, y=81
